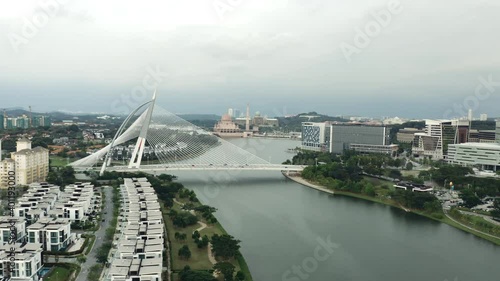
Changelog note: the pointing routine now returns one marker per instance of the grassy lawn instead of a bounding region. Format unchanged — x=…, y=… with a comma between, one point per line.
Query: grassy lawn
x=199, y=257
x=58, y=274
x=406, y=173
x=56, y=161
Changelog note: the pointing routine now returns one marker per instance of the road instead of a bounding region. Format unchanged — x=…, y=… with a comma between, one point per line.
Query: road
x=100, y=234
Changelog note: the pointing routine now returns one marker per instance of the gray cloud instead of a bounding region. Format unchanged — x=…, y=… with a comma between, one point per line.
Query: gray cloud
x=428, y=57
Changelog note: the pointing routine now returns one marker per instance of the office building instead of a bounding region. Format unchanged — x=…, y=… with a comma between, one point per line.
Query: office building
x=364, y=139
x=438, y=135
x=483, y=155
x=497, y=132
x=407, y=135
x=483, y=117
x=316, y=136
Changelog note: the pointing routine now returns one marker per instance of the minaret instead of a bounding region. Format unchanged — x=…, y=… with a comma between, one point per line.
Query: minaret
x=247, y=127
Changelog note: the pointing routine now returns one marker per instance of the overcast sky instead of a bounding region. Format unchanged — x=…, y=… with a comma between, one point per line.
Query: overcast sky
x=281, y=56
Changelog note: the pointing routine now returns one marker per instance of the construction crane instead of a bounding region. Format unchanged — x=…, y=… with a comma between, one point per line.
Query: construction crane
x=31, y=117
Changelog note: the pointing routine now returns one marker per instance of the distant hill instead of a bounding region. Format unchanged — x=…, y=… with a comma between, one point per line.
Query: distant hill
x=201, y=117
x=295, y=123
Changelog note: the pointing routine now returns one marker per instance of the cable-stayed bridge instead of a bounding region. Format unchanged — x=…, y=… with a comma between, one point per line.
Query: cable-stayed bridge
x=170, y=143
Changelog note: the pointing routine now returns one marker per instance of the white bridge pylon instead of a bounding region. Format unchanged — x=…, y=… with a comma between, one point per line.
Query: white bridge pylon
x=169, y=142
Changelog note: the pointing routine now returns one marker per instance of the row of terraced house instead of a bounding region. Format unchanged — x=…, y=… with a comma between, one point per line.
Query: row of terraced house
x=42, y=218
x=137, y=253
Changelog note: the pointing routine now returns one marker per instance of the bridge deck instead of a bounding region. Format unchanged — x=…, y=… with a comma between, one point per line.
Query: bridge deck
x=199, y=167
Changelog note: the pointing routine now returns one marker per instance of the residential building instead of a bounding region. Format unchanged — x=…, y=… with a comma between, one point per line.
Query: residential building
x=484, y=155
x=26, y=259
x=360, y=138
x=54, y=234
x=37, y=202
x=31, y=165
x=41, y=121
x=7, y=168
x=316, y=136
x=137, y=254
x=135, y=270
x=6, y=222
x=24, y=122
x=76, y=203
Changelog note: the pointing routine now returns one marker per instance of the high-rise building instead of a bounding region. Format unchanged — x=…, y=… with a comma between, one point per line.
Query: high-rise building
x=470, y=115
x=24, y=122
x=497, y=132
x=230, y=112
x=438, y=135
x=315, y=136
x=30, y=165
x=365, y=139
x=483, y=117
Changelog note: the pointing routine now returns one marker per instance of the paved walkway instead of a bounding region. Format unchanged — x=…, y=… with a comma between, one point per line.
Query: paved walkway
x=99, y=234
x=203, y=226
x=211, y=258
x=487, y=218
x=210, y=254
x=484, y=233
x=304, y=182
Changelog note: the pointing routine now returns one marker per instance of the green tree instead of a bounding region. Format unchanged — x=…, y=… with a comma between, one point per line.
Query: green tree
x=188, y=275
x=184, y=252
x=226, y=269
x=395, y=174
x=183, y=219
x=240, y=276
x=81, y=259
x=225, y=246
x=409, y=166
x=470, y=198
x=496, y=210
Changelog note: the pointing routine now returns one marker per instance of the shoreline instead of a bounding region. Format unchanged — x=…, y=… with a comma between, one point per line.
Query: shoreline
x=445, y=220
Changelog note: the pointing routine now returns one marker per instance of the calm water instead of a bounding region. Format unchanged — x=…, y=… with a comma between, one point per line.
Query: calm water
x=283, y=224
